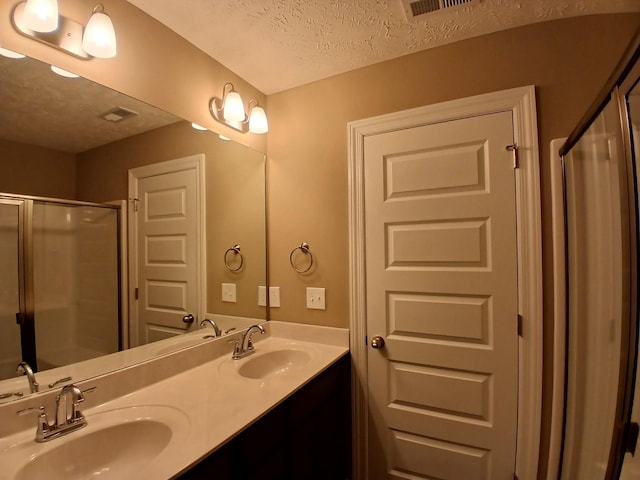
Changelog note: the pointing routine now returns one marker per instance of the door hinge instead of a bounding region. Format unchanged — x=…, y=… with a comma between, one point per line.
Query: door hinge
x=136, y=293
x=631, y=437
x=514, y=149
x=520, y=325
x=135, y=202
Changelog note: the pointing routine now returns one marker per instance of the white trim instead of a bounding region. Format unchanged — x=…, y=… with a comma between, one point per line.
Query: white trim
x=559, y=309
x=521, y=102
x=196, y=162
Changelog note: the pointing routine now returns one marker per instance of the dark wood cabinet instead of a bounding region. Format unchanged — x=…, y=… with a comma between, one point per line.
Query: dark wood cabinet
x=307, y=436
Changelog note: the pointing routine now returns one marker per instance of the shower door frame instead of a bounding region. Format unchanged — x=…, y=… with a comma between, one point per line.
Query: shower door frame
x=25, y=317
x=25, y=313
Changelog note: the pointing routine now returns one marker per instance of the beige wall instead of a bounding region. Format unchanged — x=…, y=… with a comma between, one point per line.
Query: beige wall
x=31, y=170
x=153, y=64
x=568, y=61
x=235, y=201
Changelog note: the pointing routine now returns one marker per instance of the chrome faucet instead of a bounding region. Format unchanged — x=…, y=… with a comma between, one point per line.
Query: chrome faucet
x=244, y=346
x=67, y=406
x=68, y=417
x=216, y=330
x=25, y=368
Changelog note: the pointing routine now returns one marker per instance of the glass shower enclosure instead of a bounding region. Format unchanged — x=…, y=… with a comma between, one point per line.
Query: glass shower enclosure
x=59, y=287
x=600, y=167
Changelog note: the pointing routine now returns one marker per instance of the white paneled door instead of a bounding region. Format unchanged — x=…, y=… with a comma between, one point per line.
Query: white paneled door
x=167, y=217
x=441, y=301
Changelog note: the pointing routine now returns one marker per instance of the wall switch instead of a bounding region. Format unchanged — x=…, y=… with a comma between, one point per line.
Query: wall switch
x=262, y=296
x=274, y=296
x=228, y=292
x=316, y=298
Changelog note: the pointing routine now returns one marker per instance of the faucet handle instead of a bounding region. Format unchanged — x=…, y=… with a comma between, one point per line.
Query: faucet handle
x=43, y=422
x=236, y=347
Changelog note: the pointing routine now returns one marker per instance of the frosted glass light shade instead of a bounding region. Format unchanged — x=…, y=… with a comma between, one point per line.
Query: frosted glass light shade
x=41, y=15
x=99, y=38
x=258, y=121
x=233, y=107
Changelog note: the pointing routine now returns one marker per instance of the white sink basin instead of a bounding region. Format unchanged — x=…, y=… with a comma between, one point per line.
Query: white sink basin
x=272, y=363
x=267, y=363
x=115, y=444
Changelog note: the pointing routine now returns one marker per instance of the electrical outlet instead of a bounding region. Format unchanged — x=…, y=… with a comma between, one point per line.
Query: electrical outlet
x=262, y=296
x=316, y=298
x=229, y=292
x=274, y=296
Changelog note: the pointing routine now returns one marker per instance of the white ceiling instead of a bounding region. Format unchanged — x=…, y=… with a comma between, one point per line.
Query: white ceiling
x=279, y=44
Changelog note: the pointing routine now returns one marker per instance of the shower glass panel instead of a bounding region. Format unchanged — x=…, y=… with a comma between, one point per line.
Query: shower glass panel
x=10, y=352
x=75, y=271
x=597, y=269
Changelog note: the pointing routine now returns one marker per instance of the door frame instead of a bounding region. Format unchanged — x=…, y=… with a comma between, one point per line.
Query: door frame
x=521, y=102
x=196, y=162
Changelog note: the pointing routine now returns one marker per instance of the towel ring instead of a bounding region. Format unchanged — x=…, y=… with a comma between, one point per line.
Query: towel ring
x=304, y=248
x=236, y=250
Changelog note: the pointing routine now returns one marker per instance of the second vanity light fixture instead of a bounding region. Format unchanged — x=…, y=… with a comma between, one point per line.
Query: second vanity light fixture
x=229, y=110
x=39, y=19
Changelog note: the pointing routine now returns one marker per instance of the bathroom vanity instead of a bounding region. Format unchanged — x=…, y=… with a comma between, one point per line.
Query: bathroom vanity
x=276, y=413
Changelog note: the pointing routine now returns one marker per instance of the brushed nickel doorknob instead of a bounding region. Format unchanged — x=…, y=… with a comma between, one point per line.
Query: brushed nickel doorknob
x=377, y=342
x=189, y=318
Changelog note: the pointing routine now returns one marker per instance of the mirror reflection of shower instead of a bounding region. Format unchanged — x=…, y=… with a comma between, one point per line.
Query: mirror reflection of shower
x=59, y=292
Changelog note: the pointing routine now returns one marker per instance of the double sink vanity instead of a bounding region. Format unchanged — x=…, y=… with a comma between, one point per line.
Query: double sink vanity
x=159, y=418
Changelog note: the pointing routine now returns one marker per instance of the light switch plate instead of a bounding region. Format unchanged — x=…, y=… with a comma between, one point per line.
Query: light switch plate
x=316, y=298
x=228, y=292
x=262, y=296
x=274, y=296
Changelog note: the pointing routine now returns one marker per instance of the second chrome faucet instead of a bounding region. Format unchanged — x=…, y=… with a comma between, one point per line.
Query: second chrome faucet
x=23, y=367
x=244, y=346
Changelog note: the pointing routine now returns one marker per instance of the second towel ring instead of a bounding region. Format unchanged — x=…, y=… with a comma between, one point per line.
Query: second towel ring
x=304, y=248
x=235, y=249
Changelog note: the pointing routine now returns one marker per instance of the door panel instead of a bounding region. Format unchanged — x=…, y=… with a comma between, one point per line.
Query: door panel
x=442, y=291
x=168, y=246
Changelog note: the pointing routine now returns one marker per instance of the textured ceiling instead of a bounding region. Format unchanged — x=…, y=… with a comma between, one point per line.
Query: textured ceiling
x=279, y=44
x=45, y=109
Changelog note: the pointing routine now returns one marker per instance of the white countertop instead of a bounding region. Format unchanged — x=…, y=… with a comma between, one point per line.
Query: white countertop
x=214, y=401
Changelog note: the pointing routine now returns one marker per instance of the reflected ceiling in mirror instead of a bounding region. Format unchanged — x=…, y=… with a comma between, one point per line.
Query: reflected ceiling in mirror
x=40, y=107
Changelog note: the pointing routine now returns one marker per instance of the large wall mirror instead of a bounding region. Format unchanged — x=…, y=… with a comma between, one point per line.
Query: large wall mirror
x=64, y=138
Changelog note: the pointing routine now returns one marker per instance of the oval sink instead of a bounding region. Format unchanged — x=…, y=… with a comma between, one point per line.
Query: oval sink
x=272, y=363
x=116, y=444
x=111, y=452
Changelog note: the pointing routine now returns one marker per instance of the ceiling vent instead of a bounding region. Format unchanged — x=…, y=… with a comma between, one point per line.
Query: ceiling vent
x=416, y=8
x=117, y=114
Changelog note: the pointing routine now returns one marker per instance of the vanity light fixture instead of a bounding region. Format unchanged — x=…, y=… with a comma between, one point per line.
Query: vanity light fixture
x=229, y=110
x=41, y=15
x=97, y=39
